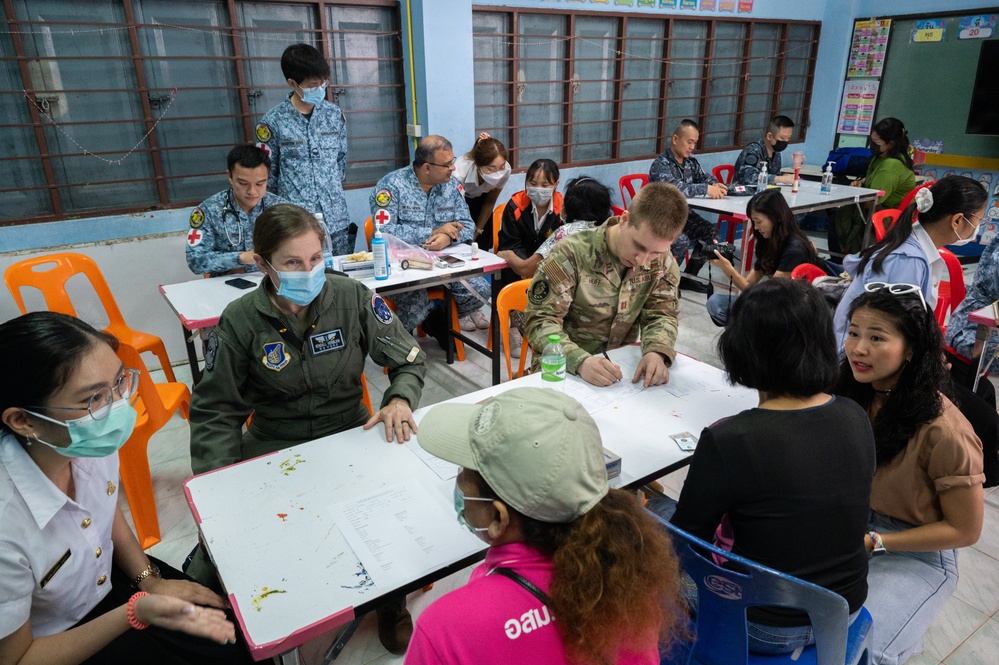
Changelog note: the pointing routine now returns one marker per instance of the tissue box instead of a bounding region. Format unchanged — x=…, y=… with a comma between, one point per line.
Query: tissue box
x=613, y=463
x=355, y=269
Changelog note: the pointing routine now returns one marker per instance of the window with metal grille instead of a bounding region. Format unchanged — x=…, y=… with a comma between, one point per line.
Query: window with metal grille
x=595, y=87
x=122, y=105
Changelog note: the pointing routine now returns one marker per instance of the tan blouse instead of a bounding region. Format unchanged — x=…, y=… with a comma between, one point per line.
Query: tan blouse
x=944, y=453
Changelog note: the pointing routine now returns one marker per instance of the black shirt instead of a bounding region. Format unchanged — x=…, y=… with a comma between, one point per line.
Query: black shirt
x=796, y=486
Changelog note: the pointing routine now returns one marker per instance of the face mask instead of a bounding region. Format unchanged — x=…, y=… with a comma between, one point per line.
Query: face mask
x=459, y=507
x=301, y=287
x=780, y=146
x=494, y=179
x=964, y=241
x=90, y=437
x=540, y=195
x=313, y=96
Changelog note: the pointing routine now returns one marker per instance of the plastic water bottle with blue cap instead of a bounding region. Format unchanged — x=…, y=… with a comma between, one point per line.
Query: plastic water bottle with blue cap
x=553, y=363
x=327, y=243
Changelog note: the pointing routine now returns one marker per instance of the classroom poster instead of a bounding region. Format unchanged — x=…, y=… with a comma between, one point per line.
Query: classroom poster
x=646, y=3
x=726, y=5
x=688, y=4
x=708, y=5
x=626, y=3
x=856, y=113
x=868, y=48
x=745, y=6
x=667, y=4
x=977, y=27
x=929, y=30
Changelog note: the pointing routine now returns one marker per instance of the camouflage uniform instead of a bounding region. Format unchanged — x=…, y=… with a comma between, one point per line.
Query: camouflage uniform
x=220, y=231
x=400, y=205
x=693, y=181
x=299, y=386
x=580, y=294
x=984, y=291
x=750, y=161
x=308, y=162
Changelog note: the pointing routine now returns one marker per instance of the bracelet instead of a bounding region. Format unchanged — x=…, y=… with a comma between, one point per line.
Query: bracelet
x=132, y=620
x=879, y=544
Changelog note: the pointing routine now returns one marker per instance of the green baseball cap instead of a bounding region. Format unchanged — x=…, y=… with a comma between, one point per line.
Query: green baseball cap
x=536, y=447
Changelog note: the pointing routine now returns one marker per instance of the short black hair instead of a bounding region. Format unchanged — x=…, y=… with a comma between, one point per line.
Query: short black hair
x=301, y=61
x=428, y=146
x=780, y=340
x=684, y=124
x=547, y=167
x=778, y=123
x=248, y=156
x=586, y=200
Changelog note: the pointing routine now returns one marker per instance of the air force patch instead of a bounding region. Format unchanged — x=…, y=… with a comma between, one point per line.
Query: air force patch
x=381, y=309
x=275, y=357
x=263, y=133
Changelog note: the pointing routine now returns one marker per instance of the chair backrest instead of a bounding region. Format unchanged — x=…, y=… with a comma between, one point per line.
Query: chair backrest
x=148, y=395
x=724, y=173
x=724, y=594
x=627, y=185
x=882, y=221
x=952, y=293
x=807, y=272
x=513, y=297
x=49, y=275
x=617, y=210
x=369, y=230
x=497, y=221
x=912, y=194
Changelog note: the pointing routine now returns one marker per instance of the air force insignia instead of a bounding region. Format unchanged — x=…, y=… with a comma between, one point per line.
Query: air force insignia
x=275, y=357
x=263, y=133
x=383, y=197
x=197, y=218
x=381, y=309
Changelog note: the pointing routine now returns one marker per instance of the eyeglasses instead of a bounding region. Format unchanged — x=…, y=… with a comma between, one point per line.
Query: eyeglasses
x=494, y=169
x=896, y=290
x=444, y=166
x=100, y=402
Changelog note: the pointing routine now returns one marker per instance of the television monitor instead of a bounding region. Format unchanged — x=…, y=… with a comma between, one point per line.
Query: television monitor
x=983, y=117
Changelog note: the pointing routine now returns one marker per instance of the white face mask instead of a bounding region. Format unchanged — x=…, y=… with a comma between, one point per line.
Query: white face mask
x=540, y=195
x=494, y=179
x=964, y=241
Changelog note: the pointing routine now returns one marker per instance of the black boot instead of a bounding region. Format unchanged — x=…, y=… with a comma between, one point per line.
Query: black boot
x=436, y=326
x=686, y=281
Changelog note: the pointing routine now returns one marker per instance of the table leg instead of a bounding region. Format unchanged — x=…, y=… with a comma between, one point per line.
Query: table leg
x=192, y=354
x=448, y=304
x=869, y=224
x=341, y=640
x=291, y=657
x=981, y=337
x=494, y=317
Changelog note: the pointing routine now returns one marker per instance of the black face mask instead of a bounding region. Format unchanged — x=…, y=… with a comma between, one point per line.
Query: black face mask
x=779, y=146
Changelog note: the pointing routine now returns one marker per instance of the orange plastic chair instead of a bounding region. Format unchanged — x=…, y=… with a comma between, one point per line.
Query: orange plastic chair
x=882, y=221
x=512, y=297
x=912, y=194
x=497, y=222
x=366, y=398
x=436, y=293
x=724, y=173
x=627, y=185
x=49, y=275
x=807, y=272
x=952, y=292
x=156, y=403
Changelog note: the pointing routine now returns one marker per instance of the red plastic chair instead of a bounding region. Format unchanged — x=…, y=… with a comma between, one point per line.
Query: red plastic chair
x=951, y=292
x=627, y=185
x=724, y=173
x=50, y=273
x=882, y=221
x=807, y=272
x=912, y=195
x=617, y=210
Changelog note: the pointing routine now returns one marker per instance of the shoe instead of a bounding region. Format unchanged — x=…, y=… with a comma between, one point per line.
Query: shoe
x=467, y=324
x=435, y=326
x=516, y=342
x=689, y=284
x=395, y=626
x=479, y=319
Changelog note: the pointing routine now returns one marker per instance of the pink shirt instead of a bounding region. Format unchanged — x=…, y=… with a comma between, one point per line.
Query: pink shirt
x=494, y=621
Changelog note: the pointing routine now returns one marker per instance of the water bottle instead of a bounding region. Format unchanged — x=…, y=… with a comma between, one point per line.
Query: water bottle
x=379, y=250
x=761, y=180
x=827, y=178
x=327, y=243
x=553, y=363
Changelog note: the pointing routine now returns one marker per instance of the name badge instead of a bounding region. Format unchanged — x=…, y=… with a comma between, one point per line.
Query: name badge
x=324, y=342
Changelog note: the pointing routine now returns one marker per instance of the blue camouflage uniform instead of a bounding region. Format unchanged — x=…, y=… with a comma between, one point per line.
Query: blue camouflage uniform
x=693, y=181
x=308, y=162
x=751, y=160
x=220, y=231
x=412, y=217
x=984, y=291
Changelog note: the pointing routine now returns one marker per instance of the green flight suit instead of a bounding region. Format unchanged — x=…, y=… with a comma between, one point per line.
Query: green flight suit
x=584, y=294
x=298, y=386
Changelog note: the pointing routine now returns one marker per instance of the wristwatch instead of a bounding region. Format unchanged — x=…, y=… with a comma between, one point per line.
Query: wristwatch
x=879, y=545
x=151, y=570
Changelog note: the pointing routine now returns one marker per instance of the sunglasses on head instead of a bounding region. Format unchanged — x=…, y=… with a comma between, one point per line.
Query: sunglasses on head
x=896, y=290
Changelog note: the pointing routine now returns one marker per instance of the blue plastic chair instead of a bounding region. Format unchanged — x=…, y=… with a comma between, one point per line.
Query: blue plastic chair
x=723, y=596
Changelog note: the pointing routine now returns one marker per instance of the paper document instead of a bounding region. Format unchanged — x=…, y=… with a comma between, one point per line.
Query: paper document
x=681, y=386
x=445, y=470
x=399, y=533
x=594, y=398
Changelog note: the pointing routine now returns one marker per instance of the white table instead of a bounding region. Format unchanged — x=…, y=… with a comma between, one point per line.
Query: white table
x=815, y=171
x=200, y=302
x=265, y=527
x=985, y=318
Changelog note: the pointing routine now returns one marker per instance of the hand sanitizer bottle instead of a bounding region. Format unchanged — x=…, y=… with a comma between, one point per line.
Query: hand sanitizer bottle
x=761, y=180
x=827, y=179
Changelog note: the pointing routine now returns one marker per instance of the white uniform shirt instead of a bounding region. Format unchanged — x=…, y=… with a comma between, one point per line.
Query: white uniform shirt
x=39, y=526
x=467, y=173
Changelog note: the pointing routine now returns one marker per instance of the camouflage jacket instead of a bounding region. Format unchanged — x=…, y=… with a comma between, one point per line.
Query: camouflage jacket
x=399, y=204
x=584, y=294
x=688, y=177
x=221, y=231
x=750, y=161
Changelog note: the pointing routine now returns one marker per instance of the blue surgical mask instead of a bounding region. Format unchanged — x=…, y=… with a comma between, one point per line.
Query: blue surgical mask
x=301, y=287
x=313, y=96
x=459, y=507
x=90, y=437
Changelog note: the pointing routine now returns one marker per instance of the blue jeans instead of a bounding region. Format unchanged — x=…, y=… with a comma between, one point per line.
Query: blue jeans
x=718, y=307
x=906, y=591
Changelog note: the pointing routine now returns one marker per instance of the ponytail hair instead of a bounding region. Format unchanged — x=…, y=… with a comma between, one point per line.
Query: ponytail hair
x=951, y=195
x=891, y=130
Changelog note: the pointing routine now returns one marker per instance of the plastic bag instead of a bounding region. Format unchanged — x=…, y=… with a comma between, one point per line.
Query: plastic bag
x=406, y=256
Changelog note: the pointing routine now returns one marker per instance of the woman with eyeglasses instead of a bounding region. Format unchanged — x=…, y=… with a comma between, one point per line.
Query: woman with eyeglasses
x=483, y=172
x=75, y=585
x=926, y=499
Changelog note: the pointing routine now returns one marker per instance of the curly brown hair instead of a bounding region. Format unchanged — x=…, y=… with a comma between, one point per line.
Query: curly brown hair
x=616, y=577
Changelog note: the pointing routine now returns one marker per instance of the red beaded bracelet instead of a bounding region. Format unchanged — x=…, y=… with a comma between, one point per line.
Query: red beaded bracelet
x=132, y=621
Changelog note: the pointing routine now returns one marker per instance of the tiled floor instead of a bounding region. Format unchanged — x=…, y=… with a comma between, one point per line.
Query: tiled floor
x=965, y=633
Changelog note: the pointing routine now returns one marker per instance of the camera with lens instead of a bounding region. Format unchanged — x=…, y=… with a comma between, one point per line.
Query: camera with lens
x=704, y=250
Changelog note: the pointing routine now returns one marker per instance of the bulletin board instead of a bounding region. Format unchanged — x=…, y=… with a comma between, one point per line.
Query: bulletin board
x=928, y=84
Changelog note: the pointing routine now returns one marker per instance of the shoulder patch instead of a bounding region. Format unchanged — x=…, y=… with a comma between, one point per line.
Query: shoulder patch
x=539, y=291
x=461, y=190
x=211, y=348
x=197, y=218
x=194, y=237
x=275, y=356
x=554, y=271
x=751, y=158
x=383, y=197
x=381, y=309
x=263, y=132
x=266, y=148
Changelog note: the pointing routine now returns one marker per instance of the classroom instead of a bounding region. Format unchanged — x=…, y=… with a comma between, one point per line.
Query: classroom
x=801, y=237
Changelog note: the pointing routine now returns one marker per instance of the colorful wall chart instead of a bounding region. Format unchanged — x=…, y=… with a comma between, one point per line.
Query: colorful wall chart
x=745, y=6
x=726, y=5
x=708, y=5
x=929, y=30
x=868, y=48
x=856, y=113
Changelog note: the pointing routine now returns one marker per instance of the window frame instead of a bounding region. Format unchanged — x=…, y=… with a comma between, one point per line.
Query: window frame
x=234, y=33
